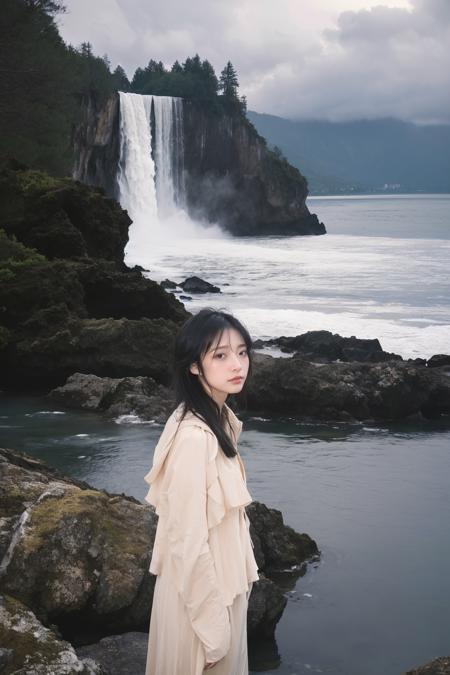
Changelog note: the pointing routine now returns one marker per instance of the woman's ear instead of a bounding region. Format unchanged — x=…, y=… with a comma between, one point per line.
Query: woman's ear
x=194, y=369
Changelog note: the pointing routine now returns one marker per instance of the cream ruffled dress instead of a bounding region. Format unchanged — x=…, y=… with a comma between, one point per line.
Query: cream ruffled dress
x=202, y=554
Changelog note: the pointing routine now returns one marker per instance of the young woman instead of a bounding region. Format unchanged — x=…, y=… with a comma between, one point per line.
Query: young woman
x=203, y=553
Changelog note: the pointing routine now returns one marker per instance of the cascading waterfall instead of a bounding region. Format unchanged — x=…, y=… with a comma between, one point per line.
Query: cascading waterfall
x=136, y=171
x=169, y=153
x=139, y=193
x=150, y=176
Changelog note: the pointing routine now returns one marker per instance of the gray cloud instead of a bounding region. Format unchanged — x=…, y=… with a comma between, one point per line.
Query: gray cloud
x=337, y=60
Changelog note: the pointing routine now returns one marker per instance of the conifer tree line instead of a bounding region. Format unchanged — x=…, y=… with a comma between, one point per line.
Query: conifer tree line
x=43, y=83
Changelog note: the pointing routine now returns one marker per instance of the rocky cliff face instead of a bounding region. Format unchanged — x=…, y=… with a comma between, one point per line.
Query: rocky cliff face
x=97, y=145
x=231, y=176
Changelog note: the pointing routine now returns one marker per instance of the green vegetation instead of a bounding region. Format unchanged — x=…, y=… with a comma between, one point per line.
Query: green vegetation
x=194, y=79
x=44, y=82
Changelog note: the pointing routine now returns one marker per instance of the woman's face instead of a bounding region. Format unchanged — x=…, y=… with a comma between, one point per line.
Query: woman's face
x=225, y=360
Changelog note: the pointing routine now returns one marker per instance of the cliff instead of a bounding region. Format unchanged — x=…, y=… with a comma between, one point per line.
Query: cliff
x=231, y=176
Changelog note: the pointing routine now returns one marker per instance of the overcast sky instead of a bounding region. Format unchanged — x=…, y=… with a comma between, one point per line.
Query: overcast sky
x=322, y=59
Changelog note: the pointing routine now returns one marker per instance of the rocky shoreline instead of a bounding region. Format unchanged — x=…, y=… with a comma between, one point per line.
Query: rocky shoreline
x=75, y=559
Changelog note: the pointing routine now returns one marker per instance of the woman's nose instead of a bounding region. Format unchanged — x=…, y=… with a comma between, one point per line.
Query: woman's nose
x=236, y=362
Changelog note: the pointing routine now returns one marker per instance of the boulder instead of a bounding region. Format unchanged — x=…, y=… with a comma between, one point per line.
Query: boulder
x=29, y=648
x=197, y=285
x=140, y=396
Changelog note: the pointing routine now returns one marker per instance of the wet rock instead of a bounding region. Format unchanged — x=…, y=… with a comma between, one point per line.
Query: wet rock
x=346, y=391
x=197, y=285
x=166, y=283
x=323, y=346
x=140, y=396
x=438, y=360
x=277, y=546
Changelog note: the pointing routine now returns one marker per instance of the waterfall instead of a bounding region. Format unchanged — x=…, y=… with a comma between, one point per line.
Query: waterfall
x=150, y=177
x=151, y=166
x=169, y=153
x=136, y=171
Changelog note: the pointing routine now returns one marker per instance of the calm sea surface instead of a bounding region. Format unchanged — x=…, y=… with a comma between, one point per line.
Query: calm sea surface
x=376, y=498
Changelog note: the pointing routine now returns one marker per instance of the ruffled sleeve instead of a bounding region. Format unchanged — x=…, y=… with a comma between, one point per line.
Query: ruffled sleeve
x=187, y=539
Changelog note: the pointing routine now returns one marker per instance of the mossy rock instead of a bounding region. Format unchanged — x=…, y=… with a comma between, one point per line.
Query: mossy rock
x=29, y=648
x=60, y=217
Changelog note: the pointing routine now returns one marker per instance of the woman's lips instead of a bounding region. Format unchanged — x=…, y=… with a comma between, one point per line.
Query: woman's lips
x=236, y=379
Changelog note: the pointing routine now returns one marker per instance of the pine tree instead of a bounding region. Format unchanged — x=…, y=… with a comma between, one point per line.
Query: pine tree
x=177, y=67
x=121, y=80
x=228, y=82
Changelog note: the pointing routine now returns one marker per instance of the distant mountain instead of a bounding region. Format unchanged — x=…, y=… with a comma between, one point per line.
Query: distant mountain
x=385, y=155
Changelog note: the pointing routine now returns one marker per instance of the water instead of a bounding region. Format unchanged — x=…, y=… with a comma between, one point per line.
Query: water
x=380, y=272
x=375, y=499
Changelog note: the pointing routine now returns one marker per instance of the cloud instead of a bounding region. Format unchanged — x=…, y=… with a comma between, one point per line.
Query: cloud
x=336, y=60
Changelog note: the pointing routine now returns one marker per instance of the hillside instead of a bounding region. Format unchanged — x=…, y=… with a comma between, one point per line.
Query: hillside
x=385, y=155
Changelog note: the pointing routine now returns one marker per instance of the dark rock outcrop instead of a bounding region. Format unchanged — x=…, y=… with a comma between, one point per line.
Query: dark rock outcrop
x=197, y=285
x=438, y=360
x=231, y=176
x=323, y=346
x=276, y=545
x=346, y=391
x=60, y=217
x=140, y=396
x=64, y=307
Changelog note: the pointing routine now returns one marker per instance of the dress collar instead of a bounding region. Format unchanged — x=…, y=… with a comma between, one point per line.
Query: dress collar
x=235, y=422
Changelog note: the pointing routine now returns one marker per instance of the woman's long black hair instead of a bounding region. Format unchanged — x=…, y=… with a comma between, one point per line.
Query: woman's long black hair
x=192, y=342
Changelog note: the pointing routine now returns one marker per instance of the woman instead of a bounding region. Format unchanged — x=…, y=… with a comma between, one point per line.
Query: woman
x=203, y=553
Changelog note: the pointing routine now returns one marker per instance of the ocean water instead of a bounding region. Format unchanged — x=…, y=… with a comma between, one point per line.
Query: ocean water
x=381, y=271
x=375, y=498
